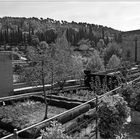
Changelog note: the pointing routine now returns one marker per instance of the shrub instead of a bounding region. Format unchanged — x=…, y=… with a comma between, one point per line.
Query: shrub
x=112, y=114
x=114, y=62
x=95, y=64
x=112, y=48
x=131, y=95
x=54, y=132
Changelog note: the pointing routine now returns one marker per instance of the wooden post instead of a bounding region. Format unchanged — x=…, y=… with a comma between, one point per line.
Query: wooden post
x=43, y=84
x=96, y=116
x=43, y=81
x=15, y=134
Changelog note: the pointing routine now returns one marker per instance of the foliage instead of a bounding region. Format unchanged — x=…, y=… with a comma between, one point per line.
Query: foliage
x=17, y=114
x=112, y=48
x=54, y=132
x=18, y=69
x=63, y=60
x=77, y=67
x=59, y=64
x=83, y=95
x=101, y=45
x=114, y=62
x=131, y=95
x=112, y=114
x=18, y=31
x=95, y=64
x=27, y=113
x=32, y=74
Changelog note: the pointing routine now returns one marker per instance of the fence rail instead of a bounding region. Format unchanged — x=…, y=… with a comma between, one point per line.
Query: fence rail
x=68, y=111
x=68, y=88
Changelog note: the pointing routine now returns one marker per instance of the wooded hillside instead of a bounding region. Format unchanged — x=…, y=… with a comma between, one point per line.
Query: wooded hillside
x=20, y=30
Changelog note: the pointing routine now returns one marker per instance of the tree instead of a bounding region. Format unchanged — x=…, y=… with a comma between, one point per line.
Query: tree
x=37, y=73
x=114, y=62
x=63, y=60
x=64, y=65
x=100, y=45
x=77, y=67
x=112, y=115
x=95, y=64
x=35, y=41
x=112, y=48
x=59, y=64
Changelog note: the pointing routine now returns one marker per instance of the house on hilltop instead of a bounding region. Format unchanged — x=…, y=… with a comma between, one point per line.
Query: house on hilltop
x=131, y=45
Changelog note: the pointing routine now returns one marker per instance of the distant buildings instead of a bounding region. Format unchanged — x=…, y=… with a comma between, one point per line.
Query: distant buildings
x=131, y=46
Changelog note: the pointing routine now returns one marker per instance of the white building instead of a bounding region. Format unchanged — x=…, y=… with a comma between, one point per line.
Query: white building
x=6, y=74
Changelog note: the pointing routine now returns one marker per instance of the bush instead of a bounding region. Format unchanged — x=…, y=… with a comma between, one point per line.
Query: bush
x=95, y=64
x=54, y=132
x=114, y=62
x=112, y=48
x=131, y=95
x=112, y=115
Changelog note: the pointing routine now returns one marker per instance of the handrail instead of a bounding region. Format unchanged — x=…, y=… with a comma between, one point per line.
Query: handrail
x=29, y=94
x=54, y=117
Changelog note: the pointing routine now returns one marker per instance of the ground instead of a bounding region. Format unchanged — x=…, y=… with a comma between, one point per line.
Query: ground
x=131, y=131
x=24, y=114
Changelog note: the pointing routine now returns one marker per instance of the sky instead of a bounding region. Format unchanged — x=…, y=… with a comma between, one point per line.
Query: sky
x=121, y=15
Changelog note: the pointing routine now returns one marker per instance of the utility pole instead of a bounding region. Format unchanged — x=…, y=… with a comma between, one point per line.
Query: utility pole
x=136, y=49
x=96, y=132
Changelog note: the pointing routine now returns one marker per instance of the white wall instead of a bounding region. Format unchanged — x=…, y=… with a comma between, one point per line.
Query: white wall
x=130, y=45
x=6, y=74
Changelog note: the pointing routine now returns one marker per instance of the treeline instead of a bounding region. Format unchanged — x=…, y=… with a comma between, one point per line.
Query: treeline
x=19, y=31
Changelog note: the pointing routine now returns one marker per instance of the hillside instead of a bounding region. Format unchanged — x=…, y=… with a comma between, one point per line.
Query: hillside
x=20, y=30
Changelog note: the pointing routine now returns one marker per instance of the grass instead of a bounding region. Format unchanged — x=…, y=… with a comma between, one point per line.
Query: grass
x=3, y=133
x=23, y=114
x=83, y=95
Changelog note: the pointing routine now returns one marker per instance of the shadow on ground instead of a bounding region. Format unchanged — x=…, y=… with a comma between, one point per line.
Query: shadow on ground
x=131, y=131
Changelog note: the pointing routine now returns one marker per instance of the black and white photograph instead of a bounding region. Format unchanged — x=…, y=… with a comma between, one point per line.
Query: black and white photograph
x=69, y=69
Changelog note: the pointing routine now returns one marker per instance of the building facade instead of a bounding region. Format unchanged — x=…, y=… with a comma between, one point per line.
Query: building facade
x=6, y=74
x=131, y=47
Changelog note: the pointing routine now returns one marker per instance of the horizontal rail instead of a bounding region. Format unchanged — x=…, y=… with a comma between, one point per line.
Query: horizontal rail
x=63, y=113
x=116, y=70
x=35, y=93
x=54, y=117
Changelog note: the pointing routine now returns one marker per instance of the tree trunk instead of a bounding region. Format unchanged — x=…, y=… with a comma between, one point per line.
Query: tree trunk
x=43, y=84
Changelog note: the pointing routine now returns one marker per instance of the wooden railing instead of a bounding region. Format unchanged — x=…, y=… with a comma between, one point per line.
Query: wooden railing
x=15, y=133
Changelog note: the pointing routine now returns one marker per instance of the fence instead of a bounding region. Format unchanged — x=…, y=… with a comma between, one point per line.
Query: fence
x=15, y=134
